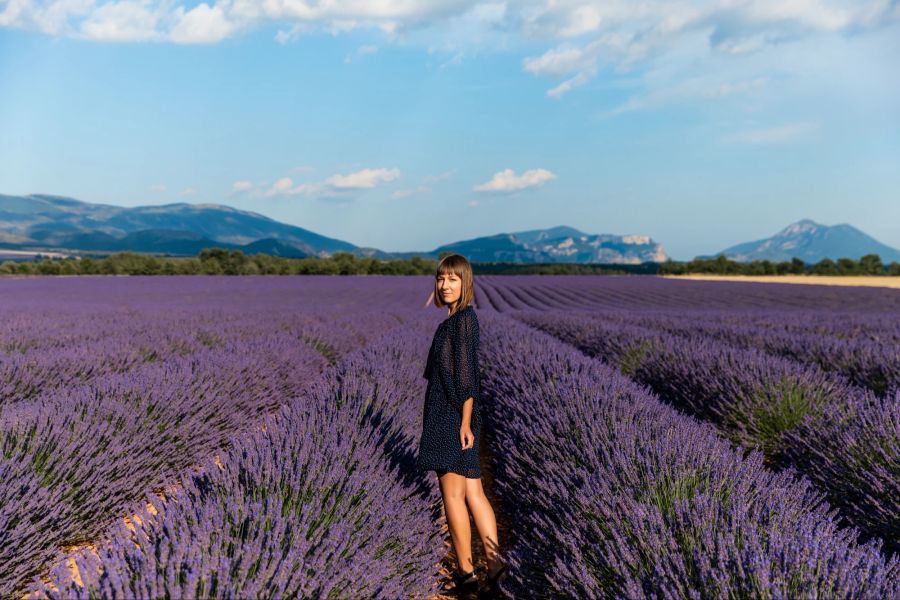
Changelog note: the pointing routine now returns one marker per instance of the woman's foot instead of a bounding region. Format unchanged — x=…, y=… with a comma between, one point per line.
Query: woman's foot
x=492, y=583
x=465, y=583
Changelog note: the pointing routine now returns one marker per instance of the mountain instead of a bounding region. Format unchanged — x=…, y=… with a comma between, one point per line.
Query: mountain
x=55, y=223
x=811, y=242
x=44, y=221
x=273, y=247
x=559, y=244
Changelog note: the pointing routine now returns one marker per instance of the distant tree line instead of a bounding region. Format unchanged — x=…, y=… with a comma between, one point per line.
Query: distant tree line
x=870, y=264
x=219, y=261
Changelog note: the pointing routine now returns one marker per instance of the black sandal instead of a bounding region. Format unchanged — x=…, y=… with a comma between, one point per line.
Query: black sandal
x=465, y=582
x=492, y=589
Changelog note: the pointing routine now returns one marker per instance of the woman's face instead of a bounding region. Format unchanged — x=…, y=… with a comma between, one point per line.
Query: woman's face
x=450, y=287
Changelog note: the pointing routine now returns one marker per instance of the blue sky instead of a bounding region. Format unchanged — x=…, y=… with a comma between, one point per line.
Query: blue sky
x=404, y=125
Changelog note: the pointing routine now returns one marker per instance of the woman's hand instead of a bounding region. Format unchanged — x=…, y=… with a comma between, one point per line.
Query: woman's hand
x=466, y=437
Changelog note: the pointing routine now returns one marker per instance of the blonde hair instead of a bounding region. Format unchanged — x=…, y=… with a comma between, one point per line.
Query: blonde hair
x=459, y=266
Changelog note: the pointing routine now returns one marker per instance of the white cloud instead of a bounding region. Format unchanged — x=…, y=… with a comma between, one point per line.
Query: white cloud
x=689, y=90
x=285, y=36
x=361, y=51
x=579, y=65
x=203, y=24
x=628, y=34
x=570, y=84
x=508, y=181
x=285, y=185
x=561, y=60
x=47, y=17
x=775, y=135
x=158, y=188
x=188, y=191
x=623, y=31
x=125, y=21
x=241, y=186
x=184, y=22
x=337, y=185
x=366, y=178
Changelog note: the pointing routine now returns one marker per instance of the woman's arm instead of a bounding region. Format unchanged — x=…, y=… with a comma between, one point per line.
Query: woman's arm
x=466, y=437
x=465, y=363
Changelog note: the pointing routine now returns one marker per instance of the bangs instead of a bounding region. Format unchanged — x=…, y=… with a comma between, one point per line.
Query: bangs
x=449, y=269
x=454, y=264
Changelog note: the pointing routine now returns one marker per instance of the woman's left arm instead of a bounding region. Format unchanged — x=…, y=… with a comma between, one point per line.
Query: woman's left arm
x=465, y=365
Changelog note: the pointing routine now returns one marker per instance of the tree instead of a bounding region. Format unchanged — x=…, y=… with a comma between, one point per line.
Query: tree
x=847, y=266
x=671, y=267
x=720, y=265
x=826, y=266
x=870, y=264
x=87, y=266
x=48, y=267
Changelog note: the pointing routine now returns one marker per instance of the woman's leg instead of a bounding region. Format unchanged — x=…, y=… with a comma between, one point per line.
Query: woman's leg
x=485, y=522
x=453, y=490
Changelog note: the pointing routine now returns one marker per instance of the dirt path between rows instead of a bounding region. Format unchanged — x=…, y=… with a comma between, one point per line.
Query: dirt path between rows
x=852, y=280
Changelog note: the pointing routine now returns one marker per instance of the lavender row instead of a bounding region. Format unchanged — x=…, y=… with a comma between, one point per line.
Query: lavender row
x=62, y=332
x=75, y=457
x=844, y=325
x=843, y=438
x=325, y=502
x=538, y=292
x=866, y=362
x=88, y=348
x=633, y=499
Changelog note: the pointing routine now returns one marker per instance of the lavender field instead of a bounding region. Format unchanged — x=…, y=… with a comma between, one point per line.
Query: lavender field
x=256, y=437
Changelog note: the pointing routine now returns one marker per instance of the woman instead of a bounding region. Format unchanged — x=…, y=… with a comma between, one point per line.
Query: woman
x=451, y=426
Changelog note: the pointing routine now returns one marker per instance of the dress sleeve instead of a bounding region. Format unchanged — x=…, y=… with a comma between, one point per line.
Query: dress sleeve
x=465, y=358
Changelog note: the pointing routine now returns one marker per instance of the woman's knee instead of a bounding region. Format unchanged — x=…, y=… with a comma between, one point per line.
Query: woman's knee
x=474, y=490
x=453, y=486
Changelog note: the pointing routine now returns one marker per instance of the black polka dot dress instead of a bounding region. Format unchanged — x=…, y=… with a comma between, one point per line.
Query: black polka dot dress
x=453, y=376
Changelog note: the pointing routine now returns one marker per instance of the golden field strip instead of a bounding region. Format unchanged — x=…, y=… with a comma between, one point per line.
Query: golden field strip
x=862, y=280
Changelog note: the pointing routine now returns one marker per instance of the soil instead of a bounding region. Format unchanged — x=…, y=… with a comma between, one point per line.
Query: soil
x=854, y=280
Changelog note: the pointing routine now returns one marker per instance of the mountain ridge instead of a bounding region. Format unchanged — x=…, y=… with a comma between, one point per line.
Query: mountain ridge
x=55, y=222
x=60, y=223
x=812, y=242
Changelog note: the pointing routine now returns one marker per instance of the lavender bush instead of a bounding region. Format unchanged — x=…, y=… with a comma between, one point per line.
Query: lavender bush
x=86, y=441
x=634, y=499
x=759, y=401
x=866, y=358
x=325, y=502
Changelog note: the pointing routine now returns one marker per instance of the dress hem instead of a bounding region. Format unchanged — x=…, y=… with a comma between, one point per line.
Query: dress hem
x=451, y=471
